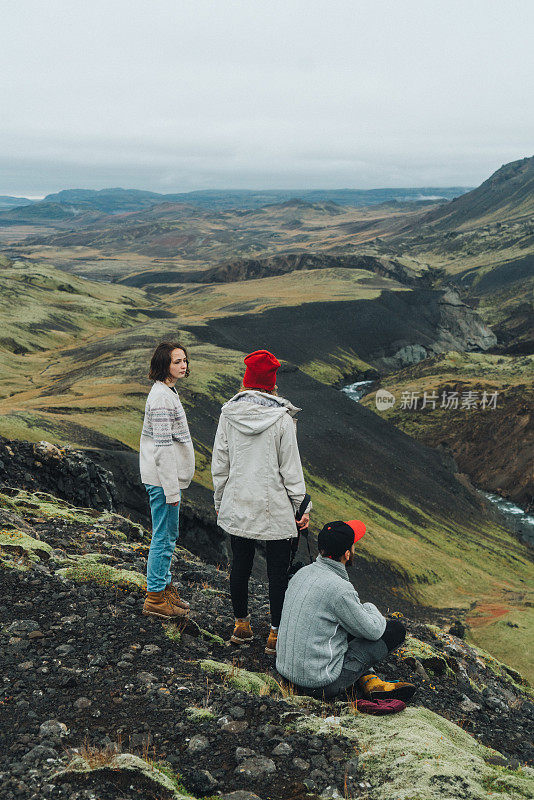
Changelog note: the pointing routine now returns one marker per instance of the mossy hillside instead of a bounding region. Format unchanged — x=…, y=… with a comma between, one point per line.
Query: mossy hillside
x=43, y=308
x=501, y=670
x=19, y=550
x=418, y=755
x=47, y=506
x=342, y=365
x=292, y=289
x=448, y=372
x=492, y=445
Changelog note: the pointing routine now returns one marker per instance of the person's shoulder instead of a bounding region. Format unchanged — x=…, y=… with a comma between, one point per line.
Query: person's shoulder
x=163, y=395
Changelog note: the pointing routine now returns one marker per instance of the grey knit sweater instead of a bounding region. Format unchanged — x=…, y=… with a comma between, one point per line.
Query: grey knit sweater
x=320, y=608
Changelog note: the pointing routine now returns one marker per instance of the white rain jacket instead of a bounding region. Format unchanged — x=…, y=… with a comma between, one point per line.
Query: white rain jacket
x=257, y=474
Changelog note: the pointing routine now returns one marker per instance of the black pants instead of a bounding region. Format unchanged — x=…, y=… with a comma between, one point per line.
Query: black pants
x=278, y=552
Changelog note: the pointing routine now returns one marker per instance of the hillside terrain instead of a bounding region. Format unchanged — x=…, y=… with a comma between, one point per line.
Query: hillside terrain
x=493, y=445
x=183, y=238
x=91, y=392
x=483, y=242
x=312, y=282
x=98, y=701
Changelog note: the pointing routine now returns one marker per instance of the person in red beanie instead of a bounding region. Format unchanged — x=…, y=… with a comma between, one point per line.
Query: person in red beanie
x=258, y=487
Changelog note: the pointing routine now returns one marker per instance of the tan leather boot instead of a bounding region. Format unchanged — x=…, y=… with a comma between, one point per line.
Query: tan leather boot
x=270, y=647
x=374, y=688
x=171, y=592
x=242, y=631
x=158, y=604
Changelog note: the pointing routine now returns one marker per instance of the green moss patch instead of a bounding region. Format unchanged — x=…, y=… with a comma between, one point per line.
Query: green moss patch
x=194, y=712
x=418, y=755
x=254, y=682
x=414, y=649
x=90, y=569
x=19, y=550
x=125, y=768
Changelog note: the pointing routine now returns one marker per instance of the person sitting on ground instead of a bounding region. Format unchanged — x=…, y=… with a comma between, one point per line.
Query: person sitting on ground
x=328, y=639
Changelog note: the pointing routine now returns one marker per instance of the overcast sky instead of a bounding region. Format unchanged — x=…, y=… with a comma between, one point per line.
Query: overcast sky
x=172, y=95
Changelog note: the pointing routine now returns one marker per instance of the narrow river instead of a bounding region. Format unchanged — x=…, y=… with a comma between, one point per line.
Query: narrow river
x=522, y=521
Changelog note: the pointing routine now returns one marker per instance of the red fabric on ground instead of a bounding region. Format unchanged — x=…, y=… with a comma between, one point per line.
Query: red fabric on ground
x=380, y=706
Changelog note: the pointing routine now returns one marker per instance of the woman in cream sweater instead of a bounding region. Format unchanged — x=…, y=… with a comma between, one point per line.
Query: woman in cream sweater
x=167, y=464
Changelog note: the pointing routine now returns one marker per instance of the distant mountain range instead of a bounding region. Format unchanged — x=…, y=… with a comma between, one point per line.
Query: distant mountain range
x=6, y=201
x=115, y=201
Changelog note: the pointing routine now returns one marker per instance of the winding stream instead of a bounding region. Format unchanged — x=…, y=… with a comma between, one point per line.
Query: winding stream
x=522, y=521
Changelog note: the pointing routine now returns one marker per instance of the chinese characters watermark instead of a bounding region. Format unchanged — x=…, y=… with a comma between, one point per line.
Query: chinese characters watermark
x=469, y=400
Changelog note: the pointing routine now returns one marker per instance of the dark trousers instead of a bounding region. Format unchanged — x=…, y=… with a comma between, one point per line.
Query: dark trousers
x=278, y=552
x=353, y=668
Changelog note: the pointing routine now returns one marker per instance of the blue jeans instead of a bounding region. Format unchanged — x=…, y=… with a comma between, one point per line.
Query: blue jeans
x=163, y=542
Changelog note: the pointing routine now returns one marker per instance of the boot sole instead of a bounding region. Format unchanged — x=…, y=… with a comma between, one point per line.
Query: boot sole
x=236, y=640
x=164, y=616
x=404, y=693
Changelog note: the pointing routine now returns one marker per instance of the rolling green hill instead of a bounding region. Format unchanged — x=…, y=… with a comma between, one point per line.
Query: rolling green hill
x=83, y=381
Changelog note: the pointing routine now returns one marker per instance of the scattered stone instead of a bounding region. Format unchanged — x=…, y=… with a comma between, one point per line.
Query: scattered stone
x=53, y=729
x=150, y=650
x=235, y=726
x=36, y=635
x=198, y=743
x=38, y=754
x=240, y=794
x=299, y=763
x=146, y=678
x=468, y=706
x=82, y=703
x=256, y=767
x=243, y=752
x=282, y=749
x=23, y=626
x=237, y=712
x=352, y=767
x=205, y=782
x=330, y=793
x=64, y=649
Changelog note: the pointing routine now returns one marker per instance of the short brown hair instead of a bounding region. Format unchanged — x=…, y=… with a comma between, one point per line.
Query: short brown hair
x=161, y=360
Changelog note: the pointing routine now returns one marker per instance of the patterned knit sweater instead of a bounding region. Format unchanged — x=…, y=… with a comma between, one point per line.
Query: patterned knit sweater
x=166, y=455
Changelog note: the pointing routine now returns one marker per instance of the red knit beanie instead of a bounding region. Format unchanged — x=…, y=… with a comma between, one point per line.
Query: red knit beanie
x=261, y=370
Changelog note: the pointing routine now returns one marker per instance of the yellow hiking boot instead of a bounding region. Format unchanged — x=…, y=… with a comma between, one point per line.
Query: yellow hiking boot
x=242, y=631
x=374, y=688
x=270, y=647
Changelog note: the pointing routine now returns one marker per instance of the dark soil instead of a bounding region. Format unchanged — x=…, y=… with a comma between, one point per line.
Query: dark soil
x=84, y=655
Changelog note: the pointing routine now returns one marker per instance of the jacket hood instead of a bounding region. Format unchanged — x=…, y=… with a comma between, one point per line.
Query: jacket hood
x=251, y=418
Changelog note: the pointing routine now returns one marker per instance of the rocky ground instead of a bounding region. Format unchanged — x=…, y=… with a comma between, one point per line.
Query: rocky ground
x=100, y=702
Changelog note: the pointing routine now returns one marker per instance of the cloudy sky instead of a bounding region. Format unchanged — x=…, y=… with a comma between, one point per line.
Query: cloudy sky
x=174, y=95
